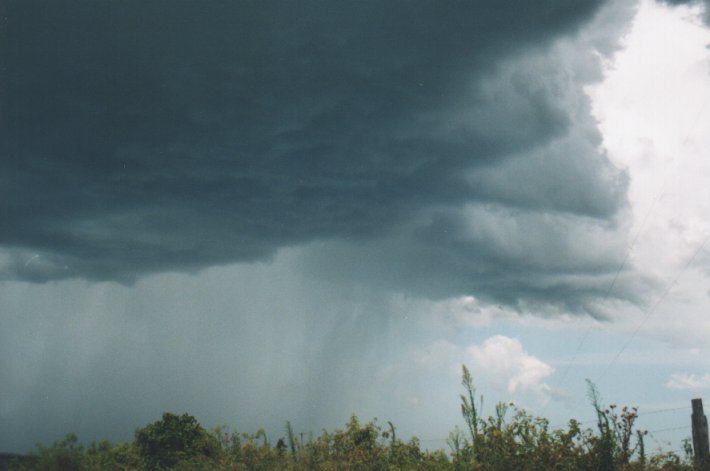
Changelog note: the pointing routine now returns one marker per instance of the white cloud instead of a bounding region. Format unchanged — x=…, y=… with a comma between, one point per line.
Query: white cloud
x=653, y=112
x=683, y=381
x=503, y=359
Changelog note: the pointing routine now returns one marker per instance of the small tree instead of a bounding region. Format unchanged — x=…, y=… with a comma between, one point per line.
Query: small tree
x=175, y=439
x=64, y=455
x=469, y=410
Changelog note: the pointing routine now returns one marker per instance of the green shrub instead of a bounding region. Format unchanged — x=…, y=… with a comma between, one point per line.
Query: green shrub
x=173, y=440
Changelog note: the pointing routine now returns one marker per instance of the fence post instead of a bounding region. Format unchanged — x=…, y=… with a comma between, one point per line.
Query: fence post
x=701, y=446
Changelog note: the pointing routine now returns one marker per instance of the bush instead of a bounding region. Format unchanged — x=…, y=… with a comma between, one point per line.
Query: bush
x=175, y=439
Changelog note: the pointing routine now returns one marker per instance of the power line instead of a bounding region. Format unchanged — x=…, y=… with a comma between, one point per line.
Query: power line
x=671, y=429
x=660, y=194
x=658, y=411
x=669, y=286
x=611, y=286
x=638, y=414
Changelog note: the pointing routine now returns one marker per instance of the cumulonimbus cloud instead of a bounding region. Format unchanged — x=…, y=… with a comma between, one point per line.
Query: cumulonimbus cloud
x=172, y=137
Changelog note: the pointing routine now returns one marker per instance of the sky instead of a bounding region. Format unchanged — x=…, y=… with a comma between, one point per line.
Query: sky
x=257, y=212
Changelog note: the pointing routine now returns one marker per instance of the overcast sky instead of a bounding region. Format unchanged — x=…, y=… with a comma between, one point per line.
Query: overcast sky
x=266, y=211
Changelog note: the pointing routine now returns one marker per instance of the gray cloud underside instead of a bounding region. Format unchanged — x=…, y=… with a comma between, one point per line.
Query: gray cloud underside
x=171, y=136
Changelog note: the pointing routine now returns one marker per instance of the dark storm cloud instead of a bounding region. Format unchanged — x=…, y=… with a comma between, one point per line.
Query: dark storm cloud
x=141, y=137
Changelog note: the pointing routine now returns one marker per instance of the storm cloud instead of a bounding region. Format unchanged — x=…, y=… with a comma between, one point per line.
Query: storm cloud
x=259, y=211
x=448, y=144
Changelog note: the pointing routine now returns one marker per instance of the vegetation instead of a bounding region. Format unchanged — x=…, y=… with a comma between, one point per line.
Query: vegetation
x=510, y=440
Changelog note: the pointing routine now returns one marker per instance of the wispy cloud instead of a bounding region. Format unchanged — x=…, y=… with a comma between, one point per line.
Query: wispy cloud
x=684, y=381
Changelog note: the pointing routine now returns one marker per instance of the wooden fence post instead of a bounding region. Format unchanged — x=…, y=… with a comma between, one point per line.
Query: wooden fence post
x=701, y=446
